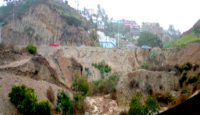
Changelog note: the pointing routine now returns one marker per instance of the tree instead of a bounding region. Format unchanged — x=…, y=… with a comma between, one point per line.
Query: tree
x=197, y=30
x=174, y=33
x=157, y=24
x=150, y=39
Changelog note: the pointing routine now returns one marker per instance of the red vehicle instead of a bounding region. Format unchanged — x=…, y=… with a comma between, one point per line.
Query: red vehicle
x=54, y=44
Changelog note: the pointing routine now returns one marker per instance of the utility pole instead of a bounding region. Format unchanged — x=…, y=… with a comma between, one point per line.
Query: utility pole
x=13, y=15
x=0, y=31
x=77, y=4
x=118, y=34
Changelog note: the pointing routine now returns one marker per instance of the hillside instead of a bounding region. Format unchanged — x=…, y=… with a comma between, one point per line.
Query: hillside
x=186, y=38
x=183, y=40
x=47, y=22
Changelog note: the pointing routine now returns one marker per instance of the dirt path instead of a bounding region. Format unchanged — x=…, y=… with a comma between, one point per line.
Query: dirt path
x=15, y=64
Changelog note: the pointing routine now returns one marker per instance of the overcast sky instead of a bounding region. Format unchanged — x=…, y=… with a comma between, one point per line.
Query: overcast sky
x=183, y=14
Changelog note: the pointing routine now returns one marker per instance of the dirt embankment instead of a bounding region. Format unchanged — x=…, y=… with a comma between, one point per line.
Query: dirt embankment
x=144, y=82
x=190, y=53
x=121, y=60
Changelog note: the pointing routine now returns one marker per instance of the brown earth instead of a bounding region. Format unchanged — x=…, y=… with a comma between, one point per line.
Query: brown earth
x=121, y=60
x=40, y=25
x=189, y=53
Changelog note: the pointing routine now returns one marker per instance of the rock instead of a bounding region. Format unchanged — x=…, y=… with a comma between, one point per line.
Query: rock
x=172, y=72
x=87, y=113
x=107, y=96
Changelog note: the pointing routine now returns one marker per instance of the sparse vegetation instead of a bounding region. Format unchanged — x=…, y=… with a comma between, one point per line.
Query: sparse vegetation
x=26, y=101
x=133, y=69
x=64, y=103
x=36, y=37
x=105, y=86
x=144, y=66
x=31, y=49
x=102, y=67
x=88, y=71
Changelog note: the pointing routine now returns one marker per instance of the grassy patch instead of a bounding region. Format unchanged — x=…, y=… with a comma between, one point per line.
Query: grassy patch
x=182, y=41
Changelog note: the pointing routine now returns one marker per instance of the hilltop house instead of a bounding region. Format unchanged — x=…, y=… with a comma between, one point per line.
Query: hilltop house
x=107, y=42
x=131, y=23
x=100, y=25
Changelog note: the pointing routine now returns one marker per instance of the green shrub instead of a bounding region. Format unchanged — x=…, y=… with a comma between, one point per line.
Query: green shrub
x=43, y=108
x=144, y=66
x=102, y=67
x=26, y=101
x=27, y=106
x=80, y=83
x=191, y=79
x=105, y=86
x=64, y=104
x=17, y=95
x=178, y=68
x=182, y=79
x=150, y=106
x=136, y=108
x=31, y=49
x=185, y=90
x=165, y=98
x=186, y=66
x=133, y=69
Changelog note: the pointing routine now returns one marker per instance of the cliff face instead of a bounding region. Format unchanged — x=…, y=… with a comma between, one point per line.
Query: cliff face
x=144, y=81
x=40, y=25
